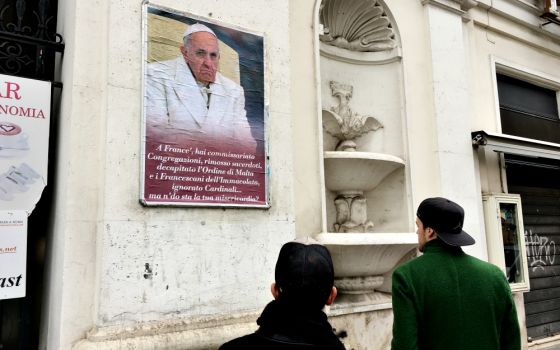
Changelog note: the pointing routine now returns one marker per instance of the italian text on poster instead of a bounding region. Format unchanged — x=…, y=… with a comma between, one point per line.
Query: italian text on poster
x=13, y=249
x=24, y=141
x=204, y=123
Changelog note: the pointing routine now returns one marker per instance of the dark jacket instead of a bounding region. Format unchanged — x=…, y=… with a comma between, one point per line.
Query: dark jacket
x=446, y=299
x=283, y=327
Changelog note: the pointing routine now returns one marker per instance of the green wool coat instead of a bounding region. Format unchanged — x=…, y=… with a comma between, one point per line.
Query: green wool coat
x=449, y=300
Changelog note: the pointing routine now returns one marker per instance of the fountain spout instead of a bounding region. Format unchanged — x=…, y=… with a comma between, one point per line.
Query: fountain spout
x=343, y=123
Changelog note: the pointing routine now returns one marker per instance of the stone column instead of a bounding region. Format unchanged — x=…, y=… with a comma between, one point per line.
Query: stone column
x=449, y=46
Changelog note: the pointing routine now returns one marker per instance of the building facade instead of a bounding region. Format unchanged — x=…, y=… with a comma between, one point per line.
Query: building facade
x=453, y=98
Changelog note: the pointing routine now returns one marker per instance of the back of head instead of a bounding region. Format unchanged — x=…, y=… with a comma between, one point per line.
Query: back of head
x=304, y=274
x=446, y=218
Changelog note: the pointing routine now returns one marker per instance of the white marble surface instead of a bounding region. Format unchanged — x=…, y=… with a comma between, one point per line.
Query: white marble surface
x=366, y=330
x=453, y=114
x=358, y=171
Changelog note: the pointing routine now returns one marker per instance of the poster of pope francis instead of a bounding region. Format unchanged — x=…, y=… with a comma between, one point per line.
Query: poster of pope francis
x=203, y=113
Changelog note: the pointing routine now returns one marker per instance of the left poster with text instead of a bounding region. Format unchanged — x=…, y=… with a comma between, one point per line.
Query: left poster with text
x=24, y=141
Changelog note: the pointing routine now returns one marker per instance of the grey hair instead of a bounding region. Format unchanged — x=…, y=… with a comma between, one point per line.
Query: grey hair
x=186, y=40
x=195, y=28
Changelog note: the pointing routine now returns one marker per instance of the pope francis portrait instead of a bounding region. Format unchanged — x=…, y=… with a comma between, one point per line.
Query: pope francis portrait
x=188, y=102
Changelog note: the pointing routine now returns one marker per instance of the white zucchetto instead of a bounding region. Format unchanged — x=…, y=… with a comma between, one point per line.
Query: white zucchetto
x=197, y=27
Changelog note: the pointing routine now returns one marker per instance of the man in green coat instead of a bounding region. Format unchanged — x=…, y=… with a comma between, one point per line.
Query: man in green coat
x=446, y=299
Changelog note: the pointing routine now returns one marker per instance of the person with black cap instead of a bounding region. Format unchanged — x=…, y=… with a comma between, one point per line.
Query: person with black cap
x=294, y=320
x=447, y=299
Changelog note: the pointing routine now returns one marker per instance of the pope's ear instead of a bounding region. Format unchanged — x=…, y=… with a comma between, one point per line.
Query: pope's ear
x=183, y=51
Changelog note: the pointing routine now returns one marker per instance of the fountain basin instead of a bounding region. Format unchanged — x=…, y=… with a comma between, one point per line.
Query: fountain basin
x=363, y=171
x=362, y=265
x=367, y=254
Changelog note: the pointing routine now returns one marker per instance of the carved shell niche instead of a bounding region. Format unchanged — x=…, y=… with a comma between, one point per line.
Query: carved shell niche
x=356, y=25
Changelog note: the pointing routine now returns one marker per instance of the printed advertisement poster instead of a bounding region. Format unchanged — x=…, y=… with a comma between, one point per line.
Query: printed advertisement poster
x=13, y=250
x=24, y=141
x=204, y=113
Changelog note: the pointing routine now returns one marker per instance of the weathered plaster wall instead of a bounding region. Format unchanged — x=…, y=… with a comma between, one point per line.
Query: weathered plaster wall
x=117, y=264
x=304, y=89
x=365, y=330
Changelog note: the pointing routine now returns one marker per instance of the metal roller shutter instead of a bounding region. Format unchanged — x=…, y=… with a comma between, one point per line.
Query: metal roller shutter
x=538, y=183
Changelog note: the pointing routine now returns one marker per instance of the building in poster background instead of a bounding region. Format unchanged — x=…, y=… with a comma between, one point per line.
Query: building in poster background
x=204, y=106
x=24, y=141
x=13, y=249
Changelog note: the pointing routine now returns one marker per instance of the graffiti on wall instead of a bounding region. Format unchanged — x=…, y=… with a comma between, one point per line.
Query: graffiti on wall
x=541, y=251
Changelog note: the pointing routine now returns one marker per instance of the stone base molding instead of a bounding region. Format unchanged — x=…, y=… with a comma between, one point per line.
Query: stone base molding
x=199, y=334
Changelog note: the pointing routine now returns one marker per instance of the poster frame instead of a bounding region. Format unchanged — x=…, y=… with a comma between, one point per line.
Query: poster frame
x=265, y=204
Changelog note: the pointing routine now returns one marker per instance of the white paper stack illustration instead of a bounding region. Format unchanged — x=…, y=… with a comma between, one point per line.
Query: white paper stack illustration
x=16, y=180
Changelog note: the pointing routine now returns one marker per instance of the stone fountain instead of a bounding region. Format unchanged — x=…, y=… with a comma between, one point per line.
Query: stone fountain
x=363, y=258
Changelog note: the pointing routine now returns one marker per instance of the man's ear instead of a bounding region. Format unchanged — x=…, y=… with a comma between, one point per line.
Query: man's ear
x=431, y=233
x=274, y=290
x=332, y=296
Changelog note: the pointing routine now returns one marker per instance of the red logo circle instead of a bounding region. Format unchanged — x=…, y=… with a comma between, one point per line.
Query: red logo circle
x=9, y=129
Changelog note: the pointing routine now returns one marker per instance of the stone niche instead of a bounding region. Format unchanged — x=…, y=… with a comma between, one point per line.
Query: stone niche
x=367, y=222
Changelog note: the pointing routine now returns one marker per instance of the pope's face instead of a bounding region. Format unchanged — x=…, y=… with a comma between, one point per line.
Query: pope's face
x=202, y=56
